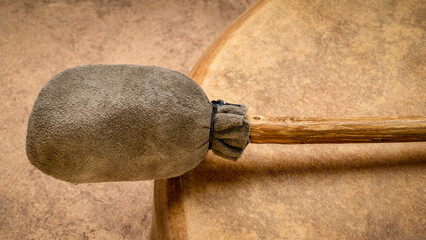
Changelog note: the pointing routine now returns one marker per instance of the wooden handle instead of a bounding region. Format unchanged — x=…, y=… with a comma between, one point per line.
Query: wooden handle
x=291, y=130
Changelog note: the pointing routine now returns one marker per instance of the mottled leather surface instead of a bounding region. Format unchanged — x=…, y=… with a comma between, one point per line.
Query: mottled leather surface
x=317, y=59
x=110, y=123
x=39, y=39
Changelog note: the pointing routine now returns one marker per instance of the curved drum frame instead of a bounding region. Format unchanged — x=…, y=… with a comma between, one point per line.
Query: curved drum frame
x=316, y=59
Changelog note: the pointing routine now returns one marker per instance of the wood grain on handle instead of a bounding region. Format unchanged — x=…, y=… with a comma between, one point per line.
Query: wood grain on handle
x=292, y=130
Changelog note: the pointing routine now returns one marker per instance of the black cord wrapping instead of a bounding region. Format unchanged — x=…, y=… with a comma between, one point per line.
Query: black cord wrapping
x=215, y=105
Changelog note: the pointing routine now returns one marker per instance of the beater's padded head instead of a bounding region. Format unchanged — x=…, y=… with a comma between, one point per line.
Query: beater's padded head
x=100, y=123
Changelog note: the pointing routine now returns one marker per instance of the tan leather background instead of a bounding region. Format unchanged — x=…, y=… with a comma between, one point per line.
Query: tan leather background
x=317, y=59
x=41, y=38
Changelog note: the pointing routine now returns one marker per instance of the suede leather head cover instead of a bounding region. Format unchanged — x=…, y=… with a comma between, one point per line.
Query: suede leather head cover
x=100, y=123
